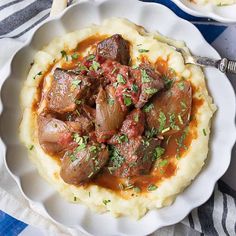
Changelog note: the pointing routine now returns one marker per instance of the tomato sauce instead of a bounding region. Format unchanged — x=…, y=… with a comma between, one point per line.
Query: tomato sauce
x=166, y=166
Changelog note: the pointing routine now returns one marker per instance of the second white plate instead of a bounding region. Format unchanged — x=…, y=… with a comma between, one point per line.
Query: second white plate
x=225, y=14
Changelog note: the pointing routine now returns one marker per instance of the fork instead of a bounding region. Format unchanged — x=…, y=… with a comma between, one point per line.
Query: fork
x=224, y=65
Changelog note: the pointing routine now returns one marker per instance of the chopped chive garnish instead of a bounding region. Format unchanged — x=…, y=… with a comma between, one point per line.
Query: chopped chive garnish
x=165, y=130
x=204, y=132
x=151, y=187
x=39, y=73
x=141, y=50
x=180, y=120
x=31, y=147
x=106, y=201
x=64, y=54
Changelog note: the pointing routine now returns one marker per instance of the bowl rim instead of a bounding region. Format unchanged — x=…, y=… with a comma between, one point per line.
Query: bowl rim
x=3, y=146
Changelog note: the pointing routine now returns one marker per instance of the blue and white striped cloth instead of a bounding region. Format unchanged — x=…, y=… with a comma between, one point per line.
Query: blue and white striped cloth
x=218, y=215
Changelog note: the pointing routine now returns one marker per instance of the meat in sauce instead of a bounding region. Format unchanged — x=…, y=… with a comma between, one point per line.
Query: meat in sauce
x=107, y=120
x=170, y=110
x=115, y=48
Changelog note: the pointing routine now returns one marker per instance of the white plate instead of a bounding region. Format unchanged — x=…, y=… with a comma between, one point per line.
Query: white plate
x=225, y=14
x=153, y=17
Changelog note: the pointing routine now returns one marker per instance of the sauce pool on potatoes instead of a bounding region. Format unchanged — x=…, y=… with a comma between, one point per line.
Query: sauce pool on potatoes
x=172, y=147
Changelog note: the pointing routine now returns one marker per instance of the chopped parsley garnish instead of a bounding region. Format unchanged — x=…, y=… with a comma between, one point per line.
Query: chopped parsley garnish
x=64, y=54
x=150, y=91
x=72, y=157
x=148, y=107
x=110, y=101
x=163, y=163
x=93, y=149
x=151, y=133
x=136, y=118
x=204, y=132
x=151, y=187
x=181, y=85
x=38, y=74
x=141, y=50
x=134, y=67
x=123, y=138
x=81, y=141
x=120, y=79
x=80, y=147
x=168, y=82
x=162, y=121
x=76, y=83
x=158, y=152
x=82, y=67
x=31, y=147
x=127, y=100
x=90, y=57
x=116, y=158
x=106, y=201
x=134, y=88
x=172, y=122
x=180, y=141
x=95, y=65
x=145, y=77
x=74, y=56
x=137, y=189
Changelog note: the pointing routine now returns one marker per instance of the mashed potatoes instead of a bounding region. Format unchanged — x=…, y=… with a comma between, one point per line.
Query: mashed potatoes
x=98, y=198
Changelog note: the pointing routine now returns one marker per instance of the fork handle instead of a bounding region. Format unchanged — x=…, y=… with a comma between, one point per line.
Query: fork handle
x=227, y=66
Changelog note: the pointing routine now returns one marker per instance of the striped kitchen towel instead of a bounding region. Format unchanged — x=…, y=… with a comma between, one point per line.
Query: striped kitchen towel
x=217, y=216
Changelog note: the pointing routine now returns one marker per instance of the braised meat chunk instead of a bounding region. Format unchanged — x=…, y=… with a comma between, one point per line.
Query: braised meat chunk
x=148, y=80
x=133, y=157
x=83, y=163
x=115, y=48
x=66, y=88
x=170, y=110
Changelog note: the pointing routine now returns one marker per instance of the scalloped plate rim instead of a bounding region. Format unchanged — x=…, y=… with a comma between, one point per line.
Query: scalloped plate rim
x=3, y=146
